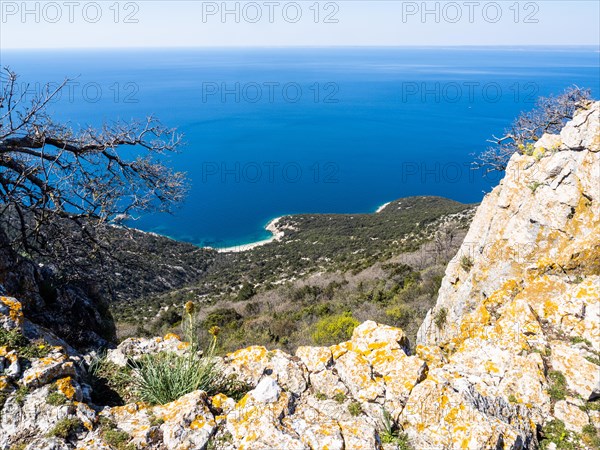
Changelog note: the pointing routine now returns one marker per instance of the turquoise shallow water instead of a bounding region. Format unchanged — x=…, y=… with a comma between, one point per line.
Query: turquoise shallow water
x=279, y=131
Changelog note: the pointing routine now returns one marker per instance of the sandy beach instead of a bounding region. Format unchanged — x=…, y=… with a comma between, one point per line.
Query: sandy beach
x=271, y=226
x=382, y=207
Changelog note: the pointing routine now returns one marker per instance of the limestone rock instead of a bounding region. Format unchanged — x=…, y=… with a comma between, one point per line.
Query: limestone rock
x=582, y=131
x=250, y=364
x=44, y=370
x=135, y=348
x=573, y=417
x=11, y=314
x=583, y=376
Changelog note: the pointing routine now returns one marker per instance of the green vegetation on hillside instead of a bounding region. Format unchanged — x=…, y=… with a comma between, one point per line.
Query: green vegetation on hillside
x=330, y=271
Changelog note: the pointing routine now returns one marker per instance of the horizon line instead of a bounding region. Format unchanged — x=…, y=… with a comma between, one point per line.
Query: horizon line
x=299, y=46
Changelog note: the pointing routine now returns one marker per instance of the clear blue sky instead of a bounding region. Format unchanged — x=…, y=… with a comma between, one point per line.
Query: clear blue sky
x=195, y=23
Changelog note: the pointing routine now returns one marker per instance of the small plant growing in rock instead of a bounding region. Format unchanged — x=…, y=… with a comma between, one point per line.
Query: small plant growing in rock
x=440, y=317
x=579, y=339
x=355, y=409
x=320, y=396
x=593, y=359
x=339, y=397
x=113, y=436
x=20, y=395
x=555, y=435
x=512, y=399
x=65, y=428
x=558, y=385
x=118, y=439
x=218, y=439
x=466, y=263
x=391, y=435
x=534, y=185
x=56, y=398
x=590, y=436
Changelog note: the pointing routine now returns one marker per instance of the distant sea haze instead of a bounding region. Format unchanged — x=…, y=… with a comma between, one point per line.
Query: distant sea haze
x=271, y=132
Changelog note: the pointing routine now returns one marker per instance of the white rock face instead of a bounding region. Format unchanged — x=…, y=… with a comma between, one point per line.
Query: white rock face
x=267, y=391
x=543, y=215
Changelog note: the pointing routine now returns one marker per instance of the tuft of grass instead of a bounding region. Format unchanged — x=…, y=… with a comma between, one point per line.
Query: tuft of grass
x=440, y=317
x=111, y=383
x=65, y=428
x=355, y=409
x=558, y=385
x=164, y=377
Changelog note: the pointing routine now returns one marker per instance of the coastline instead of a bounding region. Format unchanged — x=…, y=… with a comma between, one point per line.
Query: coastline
x=382, y=207
x=277, y=234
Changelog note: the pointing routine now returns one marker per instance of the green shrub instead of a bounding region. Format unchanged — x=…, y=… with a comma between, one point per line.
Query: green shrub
x=558, y=385
x=246, y=292
x=169, y=318
x=401, y=315
x=556, y=432
x=25, y=348
x=355, y=409
x=222, y=317
x=534, y=185
x=334, y=329
x=65, y=428
x=440, y=317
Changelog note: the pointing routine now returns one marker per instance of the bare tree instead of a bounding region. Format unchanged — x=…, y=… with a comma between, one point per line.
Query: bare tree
x=548, y=116
x=59, y=185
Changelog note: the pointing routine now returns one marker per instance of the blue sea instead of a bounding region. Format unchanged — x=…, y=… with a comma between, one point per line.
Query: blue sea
x=274, y=131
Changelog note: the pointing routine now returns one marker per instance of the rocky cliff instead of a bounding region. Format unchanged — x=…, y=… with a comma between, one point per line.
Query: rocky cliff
x=508, y=359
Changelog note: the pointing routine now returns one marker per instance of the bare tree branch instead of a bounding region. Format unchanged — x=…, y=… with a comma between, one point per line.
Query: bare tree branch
x=549, y=116
x=58, y=184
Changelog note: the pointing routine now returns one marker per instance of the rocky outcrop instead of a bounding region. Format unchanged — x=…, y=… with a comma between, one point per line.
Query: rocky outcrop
x=508, y=359
x=76, y=313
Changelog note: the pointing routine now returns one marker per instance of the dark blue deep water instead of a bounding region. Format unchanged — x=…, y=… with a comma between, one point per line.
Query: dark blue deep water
x=279, y=131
